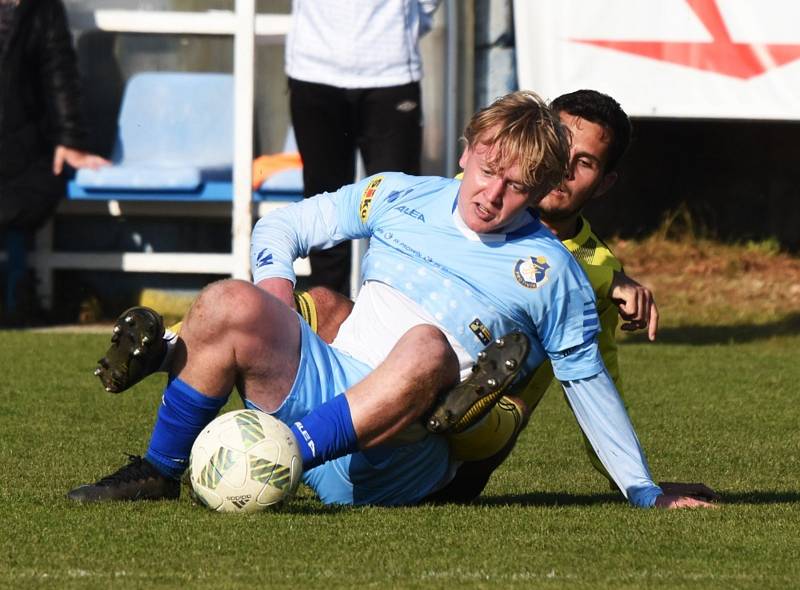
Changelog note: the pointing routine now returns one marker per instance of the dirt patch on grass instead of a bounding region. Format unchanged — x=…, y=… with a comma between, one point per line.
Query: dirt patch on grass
x=704, y=282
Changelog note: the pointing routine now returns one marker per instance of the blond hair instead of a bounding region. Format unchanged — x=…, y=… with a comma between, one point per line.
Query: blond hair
x=523, y=130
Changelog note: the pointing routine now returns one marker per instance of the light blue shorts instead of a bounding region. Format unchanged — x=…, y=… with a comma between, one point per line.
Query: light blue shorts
x=381, y=475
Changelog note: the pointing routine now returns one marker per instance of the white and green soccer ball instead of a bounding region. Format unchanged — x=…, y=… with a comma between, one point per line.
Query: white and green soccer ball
x=245, y=461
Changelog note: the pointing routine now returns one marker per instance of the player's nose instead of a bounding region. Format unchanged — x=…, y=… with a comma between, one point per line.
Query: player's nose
x=494, y=190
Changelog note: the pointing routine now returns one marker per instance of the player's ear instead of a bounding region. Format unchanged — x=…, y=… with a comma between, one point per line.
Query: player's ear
x=462, y=161
x=606, y=184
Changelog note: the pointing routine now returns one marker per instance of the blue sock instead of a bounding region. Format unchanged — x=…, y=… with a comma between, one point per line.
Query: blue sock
x=326, y=433
x=184, y=412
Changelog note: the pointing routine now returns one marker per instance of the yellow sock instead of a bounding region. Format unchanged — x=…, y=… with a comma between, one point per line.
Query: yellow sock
x=306, y=308
x=491, y=434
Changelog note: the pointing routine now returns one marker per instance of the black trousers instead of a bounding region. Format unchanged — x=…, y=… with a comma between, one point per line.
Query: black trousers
x=330, y=123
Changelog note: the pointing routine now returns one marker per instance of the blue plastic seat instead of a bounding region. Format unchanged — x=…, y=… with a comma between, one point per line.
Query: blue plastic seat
x=175, y=141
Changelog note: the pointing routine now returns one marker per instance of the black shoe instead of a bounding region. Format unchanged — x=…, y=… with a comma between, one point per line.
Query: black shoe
x=137, y=349
x=468, y=402
x=138, y=480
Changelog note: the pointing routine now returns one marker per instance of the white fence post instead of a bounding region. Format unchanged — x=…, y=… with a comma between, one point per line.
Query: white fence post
x=243, y=74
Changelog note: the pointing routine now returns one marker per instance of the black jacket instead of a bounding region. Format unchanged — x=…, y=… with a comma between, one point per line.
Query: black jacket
x=39, y=90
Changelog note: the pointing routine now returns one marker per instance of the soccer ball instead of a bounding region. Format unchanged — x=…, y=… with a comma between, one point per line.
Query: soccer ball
x=244, y=461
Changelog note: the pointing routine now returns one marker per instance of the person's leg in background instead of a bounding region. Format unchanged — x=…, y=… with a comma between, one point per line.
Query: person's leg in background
x=390, y=129
x=16, y=267
x=321, y=118
x=27, y=201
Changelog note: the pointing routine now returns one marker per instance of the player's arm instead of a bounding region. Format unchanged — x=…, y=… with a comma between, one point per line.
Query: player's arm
x=604, y=421
x=278, y=239
x=291, y=232
x=281, y=288
x=568, y=328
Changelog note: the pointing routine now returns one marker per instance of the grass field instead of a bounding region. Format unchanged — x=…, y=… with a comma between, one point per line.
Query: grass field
x=720, y=409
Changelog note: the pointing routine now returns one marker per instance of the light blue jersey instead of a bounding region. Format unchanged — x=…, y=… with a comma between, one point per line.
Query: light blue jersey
x=476, y=286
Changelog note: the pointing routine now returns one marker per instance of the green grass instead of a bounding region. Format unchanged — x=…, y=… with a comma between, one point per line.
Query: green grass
x=706, y=409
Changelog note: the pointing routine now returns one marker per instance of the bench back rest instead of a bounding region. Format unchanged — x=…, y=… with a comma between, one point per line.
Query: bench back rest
x=177, y=118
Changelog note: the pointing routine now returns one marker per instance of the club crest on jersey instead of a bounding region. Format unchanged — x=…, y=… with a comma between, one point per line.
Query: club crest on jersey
x=531, y=272
x=367, y=196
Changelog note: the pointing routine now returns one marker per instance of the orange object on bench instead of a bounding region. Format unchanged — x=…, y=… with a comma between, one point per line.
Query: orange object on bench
x=267, y=165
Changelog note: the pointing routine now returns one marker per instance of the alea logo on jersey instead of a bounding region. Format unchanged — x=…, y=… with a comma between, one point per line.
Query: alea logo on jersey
x=367, y=196
x=531, y=272
x=411, y=212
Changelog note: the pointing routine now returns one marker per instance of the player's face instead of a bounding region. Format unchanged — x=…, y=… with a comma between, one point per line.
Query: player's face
x=585, y=177
x=490, y=195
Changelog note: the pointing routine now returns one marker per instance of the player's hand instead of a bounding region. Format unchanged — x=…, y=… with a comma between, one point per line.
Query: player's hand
x=76, y=159
x=671, y=502
x=636, y=304
x=699, y=491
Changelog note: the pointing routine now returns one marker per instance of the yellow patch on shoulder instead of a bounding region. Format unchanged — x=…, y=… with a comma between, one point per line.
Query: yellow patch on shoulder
x=367, y=196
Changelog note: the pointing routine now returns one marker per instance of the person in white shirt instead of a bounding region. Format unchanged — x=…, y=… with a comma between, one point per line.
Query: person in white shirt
x=354, y=72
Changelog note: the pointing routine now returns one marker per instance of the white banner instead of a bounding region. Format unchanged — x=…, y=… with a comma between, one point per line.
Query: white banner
x=666, y=58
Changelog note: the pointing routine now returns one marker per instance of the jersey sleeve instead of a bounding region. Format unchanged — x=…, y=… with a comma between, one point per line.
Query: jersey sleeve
x=607, y=341
x=605, y=423
x=568, y=329
x=291, y=232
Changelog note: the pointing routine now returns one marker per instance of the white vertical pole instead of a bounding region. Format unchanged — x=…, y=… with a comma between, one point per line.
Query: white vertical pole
x=451, y=89
x=359, y=247
x=243, y=76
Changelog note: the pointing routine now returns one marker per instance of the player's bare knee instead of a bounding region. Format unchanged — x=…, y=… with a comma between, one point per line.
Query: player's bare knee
x=220, y=308
x=432, y=357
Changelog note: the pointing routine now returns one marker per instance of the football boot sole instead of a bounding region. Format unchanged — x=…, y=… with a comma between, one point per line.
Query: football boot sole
x=137, y=349
x=493, y=371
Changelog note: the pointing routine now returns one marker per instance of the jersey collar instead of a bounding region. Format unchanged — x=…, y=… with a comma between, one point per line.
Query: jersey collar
x=526, y=223
x=579, y=239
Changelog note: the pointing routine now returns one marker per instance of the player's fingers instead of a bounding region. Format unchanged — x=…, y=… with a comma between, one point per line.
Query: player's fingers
x=635, y=311
x=642, y=311
x=702, y=492
x=674, y=502
x=635, y=308
x=652, y=326
x=627, y=309
x=691, y=502
x=632, y=326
